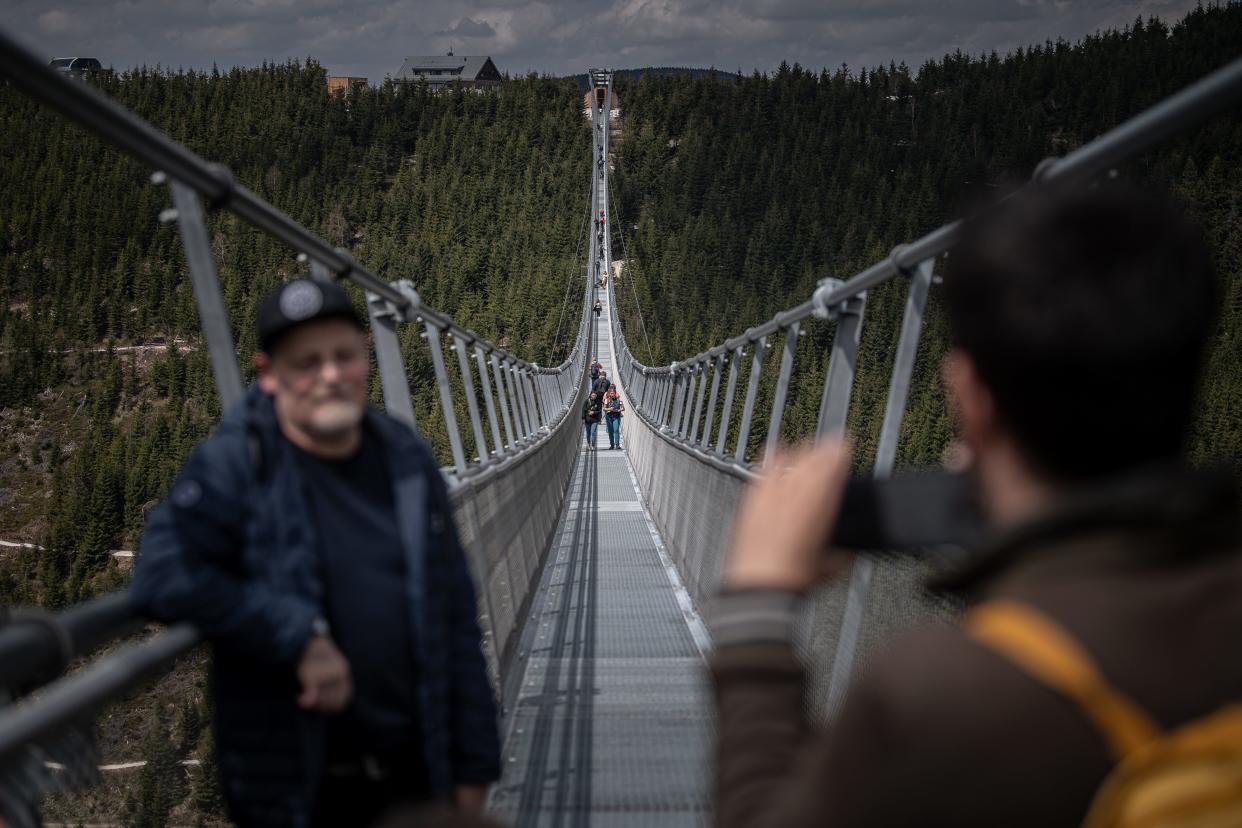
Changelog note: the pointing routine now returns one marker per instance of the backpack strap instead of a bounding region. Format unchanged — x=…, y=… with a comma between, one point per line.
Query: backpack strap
x=1043, y=649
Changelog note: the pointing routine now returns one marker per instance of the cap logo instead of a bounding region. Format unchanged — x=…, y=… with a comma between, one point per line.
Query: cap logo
x=300, y=300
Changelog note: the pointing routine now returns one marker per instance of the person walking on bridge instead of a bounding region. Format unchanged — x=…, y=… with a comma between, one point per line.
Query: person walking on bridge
x=311, y=540
x=1103, y=613
x=613, y=409
x=600, y=386
x=598, y=308
x=592, y=409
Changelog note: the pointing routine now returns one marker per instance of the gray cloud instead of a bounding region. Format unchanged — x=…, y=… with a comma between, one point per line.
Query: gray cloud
x=469, y=27
x=372, y=37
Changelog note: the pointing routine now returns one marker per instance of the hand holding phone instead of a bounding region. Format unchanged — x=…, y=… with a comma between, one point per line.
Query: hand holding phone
x=785, y=519
x=915, y=512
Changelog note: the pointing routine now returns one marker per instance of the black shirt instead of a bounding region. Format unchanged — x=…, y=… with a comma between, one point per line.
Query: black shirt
x=364, y=573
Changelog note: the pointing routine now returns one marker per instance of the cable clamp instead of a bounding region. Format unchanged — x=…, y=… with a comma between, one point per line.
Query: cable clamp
x=56, y=633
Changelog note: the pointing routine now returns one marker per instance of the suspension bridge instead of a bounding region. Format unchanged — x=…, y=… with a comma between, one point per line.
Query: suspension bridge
x=591, y=566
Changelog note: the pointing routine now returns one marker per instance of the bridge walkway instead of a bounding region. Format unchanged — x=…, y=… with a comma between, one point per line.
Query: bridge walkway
x=612, y=721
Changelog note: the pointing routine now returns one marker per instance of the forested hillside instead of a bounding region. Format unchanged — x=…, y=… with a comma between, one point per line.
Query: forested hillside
x=476, y=198
x=736, y=198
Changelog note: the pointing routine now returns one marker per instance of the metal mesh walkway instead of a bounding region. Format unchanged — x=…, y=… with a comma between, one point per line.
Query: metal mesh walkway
x=611, y=724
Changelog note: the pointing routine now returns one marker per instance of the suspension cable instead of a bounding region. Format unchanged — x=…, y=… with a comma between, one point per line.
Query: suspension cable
x=569, y=281
x=616, y=223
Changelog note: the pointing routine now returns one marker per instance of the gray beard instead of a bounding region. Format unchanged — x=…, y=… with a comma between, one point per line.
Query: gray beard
x=335, y=418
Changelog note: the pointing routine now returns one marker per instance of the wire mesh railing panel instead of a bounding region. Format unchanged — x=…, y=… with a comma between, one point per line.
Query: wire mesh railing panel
x=794, y=376
x=506, y=520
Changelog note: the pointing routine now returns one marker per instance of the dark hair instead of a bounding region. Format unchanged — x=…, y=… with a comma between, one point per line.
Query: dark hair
x=1086, y=314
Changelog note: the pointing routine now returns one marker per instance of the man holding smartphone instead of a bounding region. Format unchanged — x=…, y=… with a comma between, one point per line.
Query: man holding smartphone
x=1078, y=322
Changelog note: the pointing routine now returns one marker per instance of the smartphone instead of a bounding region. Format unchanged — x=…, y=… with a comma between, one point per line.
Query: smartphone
x=921, y=513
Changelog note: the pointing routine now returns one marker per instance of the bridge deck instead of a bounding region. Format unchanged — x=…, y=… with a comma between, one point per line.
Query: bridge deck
x=611, y=725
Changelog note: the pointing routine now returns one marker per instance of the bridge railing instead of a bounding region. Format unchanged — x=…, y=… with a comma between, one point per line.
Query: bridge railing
x=693, y=458
x=510, y=458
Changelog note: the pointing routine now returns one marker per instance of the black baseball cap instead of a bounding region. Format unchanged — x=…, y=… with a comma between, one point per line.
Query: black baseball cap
x=301, y=300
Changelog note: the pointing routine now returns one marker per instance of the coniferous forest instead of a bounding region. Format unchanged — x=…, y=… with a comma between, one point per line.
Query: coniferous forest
x=733, y=197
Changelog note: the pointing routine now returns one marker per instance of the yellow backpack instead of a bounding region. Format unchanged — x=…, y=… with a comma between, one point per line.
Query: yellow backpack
x=1190, y=777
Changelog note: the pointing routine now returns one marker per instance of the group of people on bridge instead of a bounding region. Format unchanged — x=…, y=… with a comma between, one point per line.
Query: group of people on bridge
x=604, y=402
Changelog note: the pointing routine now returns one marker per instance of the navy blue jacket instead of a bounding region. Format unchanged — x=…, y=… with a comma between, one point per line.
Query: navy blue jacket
x=232, y=550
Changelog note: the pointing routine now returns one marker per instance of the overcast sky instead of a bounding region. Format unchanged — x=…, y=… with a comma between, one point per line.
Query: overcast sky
x=372, y=37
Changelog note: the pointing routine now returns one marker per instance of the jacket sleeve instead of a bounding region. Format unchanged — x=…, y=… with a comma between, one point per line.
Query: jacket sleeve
x=475, y=751
x=189, y=563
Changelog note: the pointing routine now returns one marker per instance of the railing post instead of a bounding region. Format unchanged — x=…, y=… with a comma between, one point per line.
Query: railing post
x=541, y=396
x=446, y=397
x=529, y=382
x=480, y=362
x=752, y=389
x=528, y=385
x=684, y=394
x=706, y=439
x=519, y=389
x=834, y=406
x=680, y=381
x=472, y=403
x=669, y=400
x=498, y=373
x=903, y=367
x=672, y=390
x=726, y=413
x=519, y=408
x=703, y=368
x=890, y=431
x=217, y=331
x=688, y=408
x=393, y=382
x=553, y=396
x=782, y=390
x=545, y=398
x=515, y=382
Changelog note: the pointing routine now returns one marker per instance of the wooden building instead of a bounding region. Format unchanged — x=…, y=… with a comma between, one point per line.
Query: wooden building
x=475, y=72
x=345, y=84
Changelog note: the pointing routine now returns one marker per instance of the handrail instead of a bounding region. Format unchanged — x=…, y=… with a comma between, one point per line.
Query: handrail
x=36, y=645
x=86, y=691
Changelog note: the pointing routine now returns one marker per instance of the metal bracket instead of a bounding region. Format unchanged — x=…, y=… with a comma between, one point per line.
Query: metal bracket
x=381, y=308
x=54, y=629
x=850, y=307
x=1043, y=168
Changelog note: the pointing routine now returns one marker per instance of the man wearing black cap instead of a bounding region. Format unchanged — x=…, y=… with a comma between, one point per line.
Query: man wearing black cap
x=310, y=538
